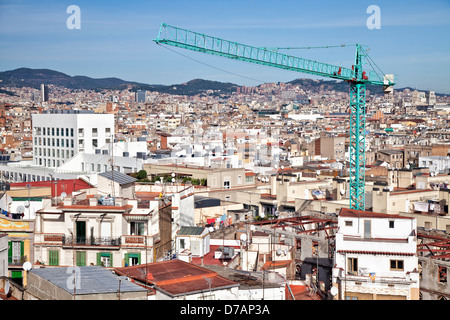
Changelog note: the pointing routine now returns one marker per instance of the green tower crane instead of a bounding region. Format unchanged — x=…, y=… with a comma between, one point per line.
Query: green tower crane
x=356, y=76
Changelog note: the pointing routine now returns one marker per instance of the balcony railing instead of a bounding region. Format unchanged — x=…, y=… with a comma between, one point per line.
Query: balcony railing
x=91, y=241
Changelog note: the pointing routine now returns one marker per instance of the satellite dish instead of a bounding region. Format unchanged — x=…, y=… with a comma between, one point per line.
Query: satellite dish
x=342, y=192
x=279, y=251
x=243, y=237
x=27, y=204
x=334, y=291
x=211, y=229
x=26, y=265
x=20, y=209
x=63, y=195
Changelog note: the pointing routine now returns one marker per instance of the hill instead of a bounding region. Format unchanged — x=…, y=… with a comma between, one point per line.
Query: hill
x=33, y=78
x=26, y=77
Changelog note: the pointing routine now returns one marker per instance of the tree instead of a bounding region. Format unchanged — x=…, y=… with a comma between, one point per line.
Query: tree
x=142, y=174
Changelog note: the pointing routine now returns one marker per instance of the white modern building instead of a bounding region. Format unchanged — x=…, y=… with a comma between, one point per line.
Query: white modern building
x=61, y=134
x=375, y=257
x=68, y=144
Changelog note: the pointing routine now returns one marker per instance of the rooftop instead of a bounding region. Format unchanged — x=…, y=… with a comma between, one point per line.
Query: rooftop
x=176, y=277
x=94, y=280
x=352, y=213
x=118, y=177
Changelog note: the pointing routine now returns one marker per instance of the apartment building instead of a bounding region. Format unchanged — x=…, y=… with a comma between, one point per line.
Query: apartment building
x=85, y=231
x=215, y=178
x=375, y=257
x=391, y=156
x=20, y=236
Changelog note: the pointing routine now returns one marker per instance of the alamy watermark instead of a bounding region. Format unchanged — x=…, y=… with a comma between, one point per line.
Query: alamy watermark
x=74, y=20
x=74, y=280
x=374, y=21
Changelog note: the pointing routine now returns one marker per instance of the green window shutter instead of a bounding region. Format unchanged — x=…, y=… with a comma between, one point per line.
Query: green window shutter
x=53, y=257
x=127, y=259
x=81, y=258
x=9, y=252
x=99, y=260
x=111, y=259
x=139, y=258
x=21, y=249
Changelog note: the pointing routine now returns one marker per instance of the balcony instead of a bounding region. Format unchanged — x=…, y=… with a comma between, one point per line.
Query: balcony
x=134, y=240
x=91, y=241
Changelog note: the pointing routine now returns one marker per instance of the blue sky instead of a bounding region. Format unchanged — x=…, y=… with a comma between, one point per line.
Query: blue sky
x=115, y=39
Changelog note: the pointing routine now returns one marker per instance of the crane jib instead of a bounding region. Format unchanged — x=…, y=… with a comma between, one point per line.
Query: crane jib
x=200, y=42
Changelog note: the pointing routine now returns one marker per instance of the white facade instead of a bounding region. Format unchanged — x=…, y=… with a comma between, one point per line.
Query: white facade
x=112, y=236
x=376, y=256
x=72, y=145
x=58, y=137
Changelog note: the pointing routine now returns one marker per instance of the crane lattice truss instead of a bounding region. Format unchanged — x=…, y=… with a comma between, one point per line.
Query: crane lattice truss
x=356, y=76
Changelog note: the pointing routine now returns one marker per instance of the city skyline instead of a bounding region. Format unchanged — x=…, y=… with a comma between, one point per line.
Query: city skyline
x=115, y=39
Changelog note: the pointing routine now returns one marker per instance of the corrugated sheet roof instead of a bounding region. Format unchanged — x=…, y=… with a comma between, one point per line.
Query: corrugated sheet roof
x=118, y=177
x=93, y=280
x=176, y=277
x=191, y=231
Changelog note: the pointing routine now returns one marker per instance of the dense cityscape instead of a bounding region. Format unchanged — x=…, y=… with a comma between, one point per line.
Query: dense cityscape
x=267, y=164
x=334, y=188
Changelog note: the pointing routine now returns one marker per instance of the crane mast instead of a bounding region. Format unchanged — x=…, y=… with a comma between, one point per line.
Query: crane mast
x=356, y=76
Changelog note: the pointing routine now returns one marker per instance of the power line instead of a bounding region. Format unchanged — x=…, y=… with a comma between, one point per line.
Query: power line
x=208, y=65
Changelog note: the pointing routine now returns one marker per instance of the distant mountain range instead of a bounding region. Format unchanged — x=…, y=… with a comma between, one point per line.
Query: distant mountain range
x=33, y=78
x=26, y=77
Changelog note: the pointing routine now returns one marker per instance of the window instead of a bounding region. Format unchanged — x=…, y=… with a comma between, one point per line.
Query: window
x=352, y=265
x=94, y=143
x=226, y=184
x=391, y=224
x=137, y=228
x=15, y=252
x=81, y=258
x=94, y=132
x=53, y=257
x=367, y=229
x=442, y=274
x=396, y=265
x=182, y=244
x=80, y=132
x=348, y=223
x=105, y=259
x=132, y=259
